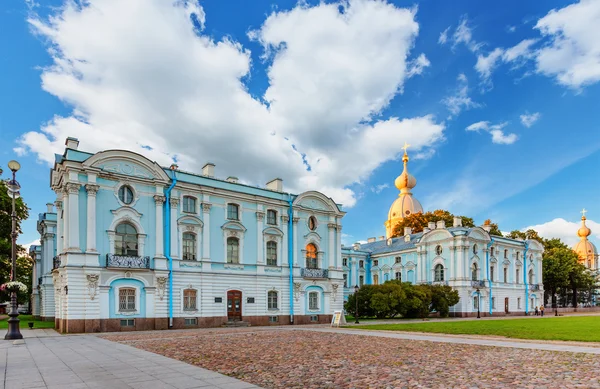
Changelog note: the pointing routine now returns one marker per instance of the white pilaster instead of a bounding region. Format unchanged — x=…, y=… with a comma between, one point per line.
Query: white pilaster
x=206, y=232
x=330, y=246
x=159, y=200
x=73, y=190
x=174, y=248
x=259, y=236
x=338, y=248
x=452, y=275
x=295, y=239
x=48, y=253
x=59, y=226
x=92, y=190
x=65, y=229
x=284, y=244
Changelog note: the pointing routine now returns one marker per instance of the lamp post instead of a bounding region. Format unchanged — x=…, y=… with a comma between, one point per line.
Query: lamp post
x=13, y=191
x=555, y=305
x=356, y=301
x=478, y=303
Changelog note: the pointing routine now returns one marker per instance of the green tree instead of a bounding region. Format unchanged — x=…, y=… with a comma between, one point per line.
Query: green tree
x=557, y=268
x=442, y=298
x=388, y=300
x=529, y=234
x=418, y=221
x=364, y=295
x=418, y=300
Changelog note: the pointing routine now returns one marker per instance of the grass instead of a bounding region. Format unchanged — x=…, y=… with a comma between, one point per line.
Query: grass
x=582, y=329
x=26, y=319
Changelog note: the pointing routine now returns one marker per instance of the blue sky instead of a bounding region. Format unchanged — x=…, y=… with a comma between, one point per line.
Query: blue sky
x=500, y=100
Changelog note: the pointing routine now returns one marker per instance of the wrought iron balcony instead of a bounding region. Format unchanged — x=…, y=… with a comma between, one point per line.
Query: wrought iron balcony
x=56, y=262
x=534, y=286
x=127, y=261
x=314, y=273
x=478, y=284
x=437, y=282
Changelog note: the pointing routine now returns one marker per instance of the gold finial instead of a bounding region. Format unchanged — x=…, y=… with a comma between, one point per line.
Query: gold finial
x=583, y=212
x=406, y=146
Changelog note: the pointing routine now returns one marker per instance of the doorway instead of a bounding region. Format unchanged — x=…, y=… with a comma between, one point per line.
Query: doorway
x=234, y=305
x=506, y=305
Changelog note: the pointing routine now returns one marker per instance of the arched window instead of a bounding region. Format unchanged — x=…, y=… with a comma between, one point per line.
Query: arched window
x=189, y=300
x=531, y=276
x=475, y=248
x=313, y=301
x=189, y=204
x=312, y=262
x=375, y=279
x=312, y=223
x=439, y=250
x=272, y=217
x=474, y=272
x=272, y=302
x=233, y=212
x=126, y=194
x=271, y=253
x=126, y=240
x=126, y=300
x=439, y=272
x=233, y=250
x=189, y=246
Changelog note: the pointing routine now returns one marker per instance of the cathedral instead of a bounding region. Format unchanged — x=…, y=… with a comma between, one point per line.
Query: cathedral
x=493, y=275
x=587, y=252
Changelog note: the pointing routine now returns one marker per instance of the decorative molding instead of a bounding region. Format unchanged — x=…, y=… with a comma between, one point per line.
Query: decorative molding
x=334, y=289
x=233, y=233
x=92, y=284
x=296, y=220
x=331, y=225
x=72, y=188
x=260, y=216
x=159, y=199
x=58, y=204
x=273, y=269
x=232, y=266
x=161, y=283
x=92, y=189
x=206, y=207
x=297, y=290
x=285, y=218
x=174, y=202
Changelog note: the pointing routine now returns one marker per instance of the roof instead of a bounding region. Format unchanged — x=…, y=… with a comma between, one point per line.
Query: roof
x=398, y=244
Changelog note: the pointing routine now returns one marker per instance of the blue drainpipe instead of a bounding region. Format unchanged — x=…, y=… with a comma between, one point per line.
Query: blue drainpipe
x=487, y=265
x=291, y=256
x=168, y=246
x=525, y=278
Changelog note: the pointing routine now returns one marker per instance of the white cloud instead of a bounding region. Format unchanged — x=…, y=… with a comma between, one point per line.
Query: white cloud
x=511, y=29
x=378, y=188
x=496, y=130
x=443, y=36
x=26, y=246
x=460, y=100
x=529, y=119
x=464, y=34
x=573, y=54
x=139, y=74
x=565, y=230
x=517, y=55
x=485, y=64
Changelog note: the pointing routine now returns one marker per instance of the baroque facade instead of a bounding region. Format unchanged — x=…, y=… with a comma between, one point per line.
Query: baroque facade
x=492, y=274
x=134, y=246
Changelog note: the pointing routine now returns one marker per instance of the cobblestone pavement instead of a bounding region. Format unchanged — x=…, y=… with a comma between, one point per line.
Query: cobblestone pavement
x=273, y=358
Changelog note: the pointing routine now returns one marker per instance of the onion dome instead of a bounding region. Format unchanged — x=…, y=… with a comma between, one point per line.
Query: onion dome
x=584, y=248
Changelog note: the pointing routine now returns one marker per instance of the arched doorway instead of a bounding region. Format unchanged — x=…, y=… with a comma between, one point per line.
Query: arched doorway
x=234, y=305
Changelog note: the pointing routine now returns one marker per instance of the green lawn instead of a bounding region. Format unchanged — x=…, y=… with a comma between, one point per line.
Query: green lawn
x=582, y=328
x=26, y=319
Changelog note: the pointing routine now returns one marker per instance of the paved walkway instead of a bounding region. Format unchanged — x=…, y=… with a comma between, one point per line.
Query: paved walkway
x=457, y=339
x=90, y=362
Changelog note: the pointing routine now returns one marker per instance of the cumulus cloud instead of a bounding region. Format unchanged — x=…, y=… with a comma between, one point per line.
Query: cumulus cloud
x=529, y=119
x=573, y=54
x=517, y=55
x=496, y=130
x=443, y=36
x=144, y=76
x=460, y=100
x=565, y=230
x=378, y=188
x=464, y=35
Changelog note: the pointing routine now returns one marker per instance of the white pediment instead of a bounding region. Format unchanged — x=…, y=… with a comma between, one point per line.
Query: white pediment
x=126, y=163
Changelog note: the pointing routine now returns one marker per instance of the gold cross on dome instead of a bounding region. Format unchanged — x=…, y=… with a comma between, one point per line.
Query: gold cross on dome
x=406, y=146
x=583, y=212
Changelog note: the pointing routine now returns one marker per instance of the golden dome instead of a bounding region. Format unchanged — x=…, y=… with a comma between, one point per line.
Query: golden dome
x=405, y=181
x=584, y=231
x=584, y=248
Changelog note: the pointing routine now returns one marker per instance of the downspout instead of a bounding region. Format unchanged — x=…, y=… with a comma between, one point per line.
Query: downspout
x=525, y=278
x=167, y=235
x=487, y=265
x=291, y=256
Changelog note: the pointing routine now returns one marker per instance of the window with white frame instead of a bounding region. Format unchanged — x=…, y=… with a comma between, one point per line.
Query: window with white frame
x=361, y=281
x=312, y=223
x=505, y=254
x=313, y=301
x=190, y=300
x=398, y=276
x=189, y=204
x=189, y=246
x=518, y=303
x=271, y=253
x=518, y=276
x=476, y=302
x=474, y=272
x=492, y=251
x=312, y=260
x=233, y=250
x=375, y=262
x=530, y=276
x=505, y=275
x=492, y=273
x=272, y=302
x=272, y=217
x=493, y=303
x=398, y=260
x=361, y=264
x=126, y=194
x=439, y=272
x=233, y=212
x=126, y=299
x=126, y=240
x=345, y=280
x=344, y=261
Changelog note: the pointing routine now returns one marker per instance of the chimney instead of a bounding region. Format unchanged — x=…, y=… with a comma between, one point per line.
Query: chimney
x=457, y=221
x=356, y=246
x=407, y=231
x=276, y=185
x=381, y=237
x=72, y=143
x=431, y=225
x=407, y=238
x=440, y=225
x=49, y=207
x=371, y=240
x=208, y=170
x=389, y=241
x=232, y=179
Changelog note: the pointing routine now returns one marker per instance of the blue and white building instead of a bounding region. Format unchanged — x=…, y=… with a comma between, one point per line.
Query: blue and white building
x=134, y=245
x=497, y=275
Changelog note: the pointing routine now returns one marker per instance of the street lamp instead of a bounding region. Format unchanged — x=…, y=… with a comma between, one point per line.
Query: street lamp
x=356, y=301
x=478, y=303
x=13, y=191
x=555, y=305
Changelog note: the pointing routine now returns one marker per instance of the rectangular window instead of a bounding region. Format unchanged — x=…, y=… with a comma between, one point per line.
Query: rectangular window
x=232, y=212
x=272, y=217
x=375, y=262
x=345, y=262
x=272, y=300
x=518, y=303
x=345, y=280
x=233, y=250
x=271, y=253
x=273, y=319
x=126, y=300
x=505, y=275
x=250, y=300
x=218, y=300
x=361, y=264
x=313, y=300
x=190, y=321
x=518, y=278
x=493, y=303
x=314, y=318
x=398, y=260
x=189, y=204
x=128, y=323
x=189, y=246
x=189, y=300
x=399, y=276
x=492, y=273
x=361, y=281
x=475, y=302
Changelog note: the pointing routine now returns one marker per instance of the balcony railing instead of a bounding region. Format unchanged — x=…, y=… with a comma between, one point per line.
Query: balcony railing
x=127, y=261
x=56, y=262
x=478, y=284
x=437, y=282
x=534, y=286
x=314, y=273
